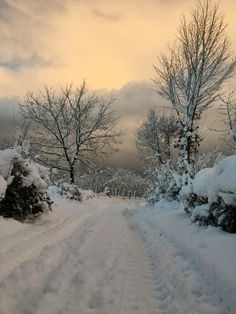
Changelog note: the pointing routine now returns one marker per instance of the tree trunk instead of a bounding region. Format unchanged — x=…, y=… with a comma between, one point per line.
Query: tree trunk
x=72, y=175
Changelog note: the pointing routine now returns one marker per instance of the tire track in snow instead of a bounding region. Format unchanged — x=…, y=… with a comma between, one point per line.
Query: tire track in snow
x=180, y=287
x=83, y=273
x=27, y=248
x=138, y=295
x=45, y=280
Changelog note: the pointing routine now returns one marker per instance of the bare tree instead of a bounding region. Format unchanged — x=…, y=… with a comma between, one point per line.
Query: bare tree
x=74, y=125
x=191, y=75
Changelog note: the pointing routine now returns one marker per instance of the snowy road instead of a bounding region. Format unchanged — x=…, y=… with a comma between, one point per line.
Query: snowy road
x=97, y=258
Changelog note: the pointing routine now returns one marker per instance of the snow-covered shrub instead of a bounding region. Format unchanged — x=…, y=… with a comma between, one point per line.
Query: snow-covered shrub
x=87, y=194
x=162, y=183
x=216, y=187
x=202, y=182
x=73, y=192
x=223, y=215
x=192, y=201
x=23, y=185
x=106, y=192
x=199, y=195
x=200, y=214
x=222, y=194
x=223, y=178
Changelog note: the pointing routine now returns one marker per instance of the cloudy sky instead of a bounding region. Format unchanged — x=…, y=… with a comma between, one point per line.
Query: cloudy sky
x=112, y=44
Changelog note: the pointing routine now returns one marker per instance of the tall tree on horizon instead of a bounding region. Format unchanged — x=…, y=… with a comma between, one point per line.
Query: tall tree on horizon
x=191, y=75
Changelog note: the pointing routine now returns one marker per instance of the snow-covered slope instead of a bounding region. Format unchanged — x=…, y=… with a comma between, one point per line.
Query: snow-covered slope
x=110, y=256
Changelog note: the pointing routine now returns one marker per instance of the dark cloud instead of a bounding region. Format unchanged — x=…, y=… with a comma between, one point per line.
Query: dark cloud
x=136, y=98
x=17, y=63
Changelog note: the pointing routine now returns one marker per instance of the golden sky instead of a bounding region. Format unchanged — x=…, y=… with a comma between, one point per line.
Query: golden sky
x=112, y=44
x=107, y=42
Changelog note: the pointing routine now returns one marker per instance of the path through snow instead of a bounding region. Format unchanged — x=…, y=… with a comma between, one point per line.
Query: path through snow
x=97, y=258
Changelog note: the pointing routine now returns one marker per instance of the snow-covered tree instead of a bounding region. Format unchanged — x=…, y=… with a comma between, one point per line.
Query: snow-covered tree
x=162, y=182
x=155, y=135
x=228, y=109
x=154, y=140
x=116, y=182
x=73, y=126
x=120, y=182
x=191, y=76
x=96, y=178
x=207, y=159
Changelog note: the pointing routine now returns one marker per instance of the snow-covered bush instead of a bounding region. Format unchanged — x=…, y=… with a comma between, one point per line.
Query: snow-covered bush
x=202, y=182
x=199, y=196
x=87, y=194
x=216, y=188
x=23, y=184
x=106, y=192
x=73, y=192
x=223, y=178
x=201, y=214
x=223, y=215
x=162, y=183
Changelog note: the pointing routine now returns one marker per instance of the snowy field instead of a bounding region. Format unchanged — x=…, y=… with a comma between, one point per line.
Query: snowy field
x=110, y=256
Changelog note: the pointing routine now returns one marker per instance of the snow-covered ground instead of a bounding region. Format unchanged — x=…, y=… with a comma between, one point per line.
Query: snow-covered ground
x=110, y=256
